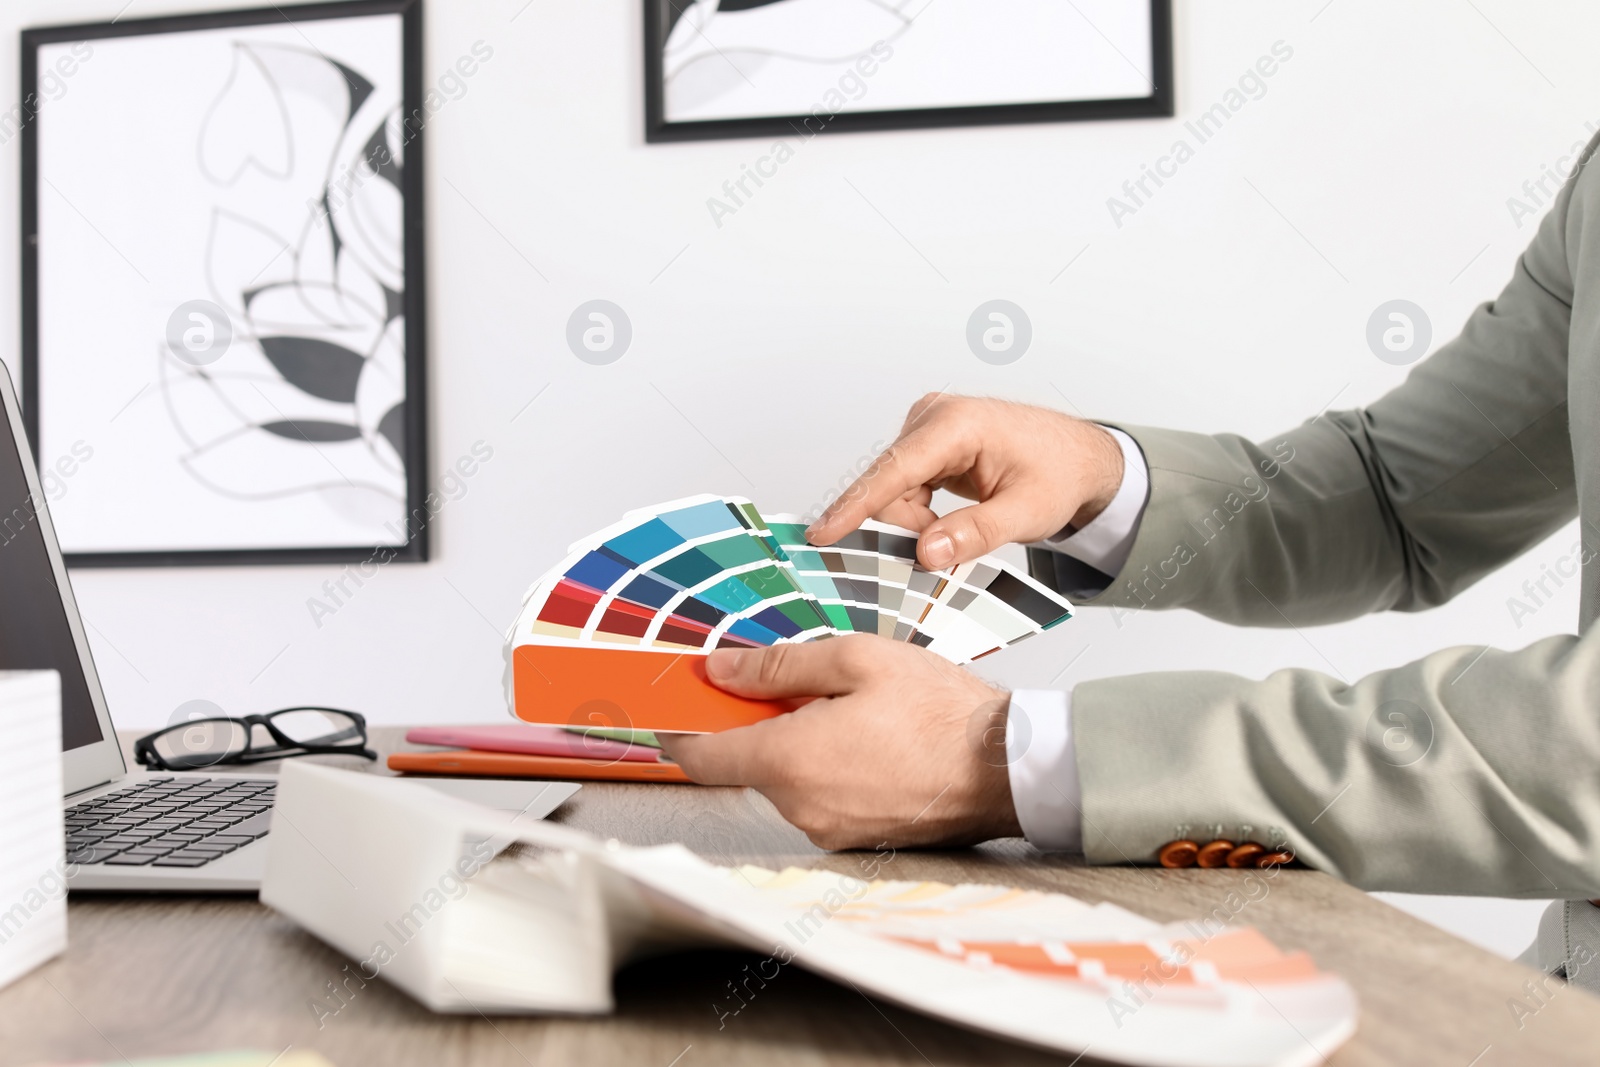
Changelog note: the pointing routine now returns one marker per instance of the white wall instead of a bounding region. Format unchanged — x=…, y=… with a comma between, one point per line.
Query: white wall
x=774, y=350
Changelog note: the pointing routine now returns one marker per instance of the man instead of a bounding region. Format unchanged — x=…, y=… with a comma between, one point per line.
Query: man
x=1463, y=772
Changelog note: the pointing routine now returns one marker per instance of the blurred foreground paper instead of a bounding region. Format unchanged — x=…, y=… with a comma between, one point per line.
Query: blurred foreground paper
x=33, y=884
x=239, y=1058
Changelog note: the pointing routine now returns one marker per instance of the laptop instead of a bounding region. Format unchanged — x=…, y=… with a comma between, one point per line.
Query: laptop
x=138, y=830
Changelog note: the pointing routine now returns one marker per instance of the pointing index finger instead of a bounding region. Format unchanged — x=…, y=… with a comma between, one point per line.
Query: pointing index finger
x=924, y=456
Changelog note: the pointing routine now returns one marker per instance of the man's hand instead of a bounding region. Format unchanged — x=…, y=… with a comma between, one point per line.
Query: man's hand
x=901, y=748
x=1032, y=470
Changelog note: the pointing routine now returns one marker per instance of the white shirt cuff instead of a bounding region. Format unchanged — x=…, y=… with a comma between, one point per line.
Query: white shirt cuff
x=1043, y=764
x=1105, y=543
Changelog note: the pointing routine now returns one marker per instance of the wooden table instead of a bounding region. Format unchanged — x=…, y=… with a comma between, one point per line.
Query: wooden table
x=156, y=975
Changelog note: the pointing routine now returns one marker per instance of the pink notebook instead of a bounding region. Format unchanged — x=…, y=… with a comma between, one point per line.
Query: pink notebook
x=532, y=740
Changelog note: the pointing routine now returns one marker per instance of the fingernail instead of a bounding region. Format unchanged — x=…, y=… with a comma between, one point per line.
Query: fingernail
x=938, y=550
x=724, y=663
x=816, y=528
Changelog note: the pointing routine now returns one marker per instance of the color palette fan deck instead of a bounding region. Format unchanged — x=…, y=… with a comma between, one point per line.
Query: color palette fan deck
x=709, y=572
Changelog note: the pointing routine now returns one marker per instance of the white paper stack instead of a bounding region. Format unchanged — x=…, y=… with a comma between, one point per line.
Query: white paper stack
x=33, y=883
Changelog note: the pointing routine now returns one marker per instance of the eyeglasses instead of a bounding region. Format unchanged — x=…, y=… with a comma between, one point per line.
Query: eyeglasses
x=305, y=731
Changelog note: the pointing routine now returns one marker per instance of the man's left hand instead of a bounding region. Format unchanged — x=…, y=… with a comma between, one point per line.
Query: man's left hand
x=901, y=747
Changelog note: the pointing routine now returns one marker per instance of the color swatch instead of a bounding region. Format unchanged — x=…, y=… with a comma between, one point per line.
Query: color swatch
x=694, y=575
x=708, y=572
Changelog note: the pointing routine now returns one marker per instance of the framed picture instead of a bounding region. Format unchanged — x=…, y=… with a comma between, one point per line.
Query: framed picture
x=223, y=342
x=757, y=68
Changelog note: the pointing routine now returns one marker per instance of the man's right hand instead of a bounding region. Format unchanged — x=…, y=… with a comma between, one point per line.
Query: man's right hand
x=1031, y=470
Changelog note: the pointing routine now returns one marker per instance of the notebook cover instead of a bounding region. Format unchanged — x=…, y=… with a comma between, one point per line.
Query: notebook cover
x=628, y=688
x=517, y=765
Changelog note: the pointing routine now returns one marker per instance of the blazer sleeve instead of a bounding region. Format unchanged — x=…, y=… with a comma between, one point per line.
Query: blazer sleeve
x=1468, y=771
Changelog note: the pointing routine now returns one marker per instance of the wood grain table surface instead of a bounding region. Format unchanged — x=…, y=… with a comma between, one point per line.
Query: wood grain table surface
x=152, y=975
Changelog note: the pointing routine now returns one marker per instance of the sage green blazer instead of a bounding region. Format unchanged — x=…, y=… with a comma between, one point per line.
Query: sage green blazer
x=1467, y=771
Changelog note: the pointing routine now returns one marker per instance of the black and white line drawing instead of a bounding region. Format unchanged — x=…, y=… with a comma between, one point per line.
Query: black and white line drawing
x=252, y=371
x=738, y=68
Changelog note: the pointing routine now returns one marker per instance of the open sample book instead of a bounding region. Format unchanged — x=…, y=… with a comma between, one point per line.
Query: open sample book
x=469, y=910
x=617, y=634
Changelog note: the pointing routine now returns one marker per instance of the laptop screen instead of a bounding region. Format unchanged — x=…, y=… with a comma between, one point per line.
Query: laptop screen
x=34, y=633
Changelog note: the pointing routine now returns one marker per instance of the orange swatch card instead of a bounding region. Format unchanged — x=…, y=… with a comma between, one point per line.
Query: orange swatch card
x=594, y=686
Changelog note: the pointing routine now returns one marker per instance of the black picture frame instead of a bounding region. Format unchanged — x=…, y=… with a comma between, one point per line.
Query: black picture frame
x=1160, y=103
x=415, y=549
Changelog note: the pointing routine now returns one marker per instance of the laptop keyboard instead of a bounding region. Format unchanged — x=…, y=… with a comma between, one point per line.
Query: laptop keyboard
x=169, y=822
